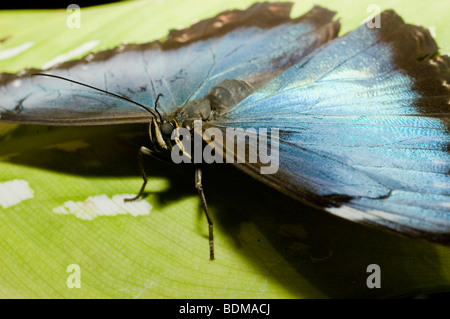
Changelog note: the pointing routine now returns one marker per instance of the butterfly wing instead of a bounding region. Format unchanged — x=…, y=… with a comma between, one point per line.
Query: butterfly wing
x=364, y=129
x=255, y=45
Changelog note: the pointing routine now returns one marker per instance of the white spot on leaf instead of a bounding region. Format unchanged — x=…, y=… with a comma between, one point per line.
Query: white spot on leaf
x=13, y=192
x=12, y=52
x=102, y=205
x=85, y=47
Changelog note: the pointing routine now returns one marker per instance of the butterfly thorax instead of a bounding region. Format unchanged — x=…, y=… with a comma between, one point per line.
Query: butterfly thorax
x=219, y=99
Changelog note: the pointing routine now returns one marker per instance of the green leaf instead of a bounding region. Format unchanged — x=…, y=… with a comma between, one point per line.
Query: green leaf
x=267, y=245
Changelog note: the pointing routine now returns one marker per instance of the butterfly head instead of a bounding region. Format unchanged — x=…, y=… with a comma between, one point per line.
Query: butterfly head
x=161, y=131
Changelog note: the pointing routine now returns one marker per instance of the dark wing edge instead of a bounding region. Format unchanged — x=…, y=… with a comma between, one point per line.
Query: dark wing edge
x=264, y=15
x=45, y=118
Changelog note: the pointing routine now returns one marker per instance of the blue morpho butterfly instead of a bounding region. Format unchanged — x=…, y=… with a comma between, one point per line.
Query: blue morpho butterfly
x=363, y=119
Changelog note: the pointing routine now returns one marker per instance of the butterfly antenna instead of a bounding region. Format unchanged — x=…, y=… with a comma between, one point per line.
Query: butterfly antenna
x=103, y=91
x=156, y=104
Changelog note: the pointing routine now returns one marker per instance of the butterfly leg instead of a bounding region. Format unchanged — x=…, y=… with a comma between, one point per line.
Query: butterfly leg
x=142, y=151
x=199, y=187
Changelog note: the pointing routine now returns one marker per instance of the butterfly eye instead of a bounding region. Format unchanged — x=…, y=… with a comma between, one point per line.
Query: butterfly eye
x=166, y=128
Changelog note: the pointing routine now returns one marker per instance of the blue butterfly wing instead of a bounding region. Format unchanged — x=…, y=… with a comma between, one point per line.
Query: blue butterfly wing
x=364, y=129
x=254, y=45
